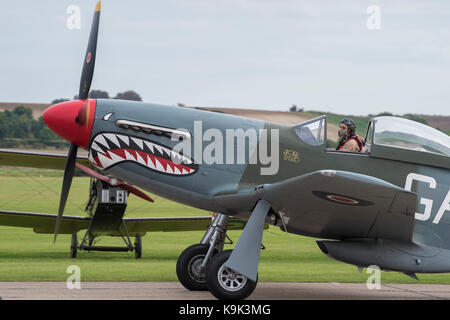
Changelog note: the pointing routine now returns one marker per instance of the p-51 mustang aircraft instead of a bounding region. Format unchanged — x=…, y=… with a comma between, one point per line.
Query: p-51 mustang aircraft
x=387, y=206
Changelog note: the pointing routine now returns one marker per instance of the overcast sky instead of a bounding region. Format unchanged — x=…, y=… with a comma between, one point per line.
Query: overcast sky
x=259, y=54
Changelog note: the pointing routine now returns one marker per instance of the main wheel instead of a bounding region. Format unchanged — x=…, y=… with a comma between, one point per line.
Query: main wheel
x=74, y=246
x=189, y=271
x=138, y=247
x=224, y=283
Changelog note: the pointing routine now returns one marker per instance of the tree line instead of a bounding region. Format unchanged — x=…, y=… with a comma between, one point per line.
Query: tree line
x=18, y=128
x=100, y=94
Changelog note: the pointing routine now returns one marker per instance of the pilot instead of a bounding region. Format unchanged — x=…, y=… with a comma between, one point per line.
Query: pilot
x=349, y=141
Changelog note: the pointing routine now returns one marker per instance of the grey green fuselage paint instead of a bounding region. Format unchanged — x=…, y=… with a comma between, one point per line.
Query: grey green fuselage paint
x=220, y=186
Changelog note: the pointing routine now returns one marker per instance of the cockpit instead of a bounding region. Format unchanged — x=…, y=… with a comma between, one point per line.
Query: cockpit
x=383, y=132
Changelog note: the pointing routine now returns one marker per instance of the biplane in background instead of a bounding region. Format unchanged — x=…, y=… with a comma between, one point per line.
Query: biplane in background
x=105, y=208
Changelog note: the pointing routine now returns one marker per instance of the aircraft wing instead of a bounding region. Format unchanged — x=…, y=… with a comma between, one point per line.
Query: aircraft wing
x=142, y=225
x=45, y=223
x=340, y=204
x=37, y=159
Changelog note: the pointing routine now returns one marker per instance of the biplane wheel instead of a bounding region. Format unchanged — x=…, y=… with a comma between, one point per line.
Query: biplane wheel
x=74, y=246
x=138, y=247
x=224, y=283
x=189, y=262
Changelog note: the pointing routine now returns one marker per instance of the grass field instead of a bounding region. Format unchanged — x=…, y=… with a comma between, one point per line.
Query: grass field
x=26, y=256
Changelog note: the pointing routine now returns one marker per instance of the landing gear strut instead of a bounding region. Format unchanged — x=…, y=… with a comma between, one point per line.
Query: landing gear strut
x=138, y=247
x=74, y=246
x=230, y=274
x=192, y=262
x=88, y=240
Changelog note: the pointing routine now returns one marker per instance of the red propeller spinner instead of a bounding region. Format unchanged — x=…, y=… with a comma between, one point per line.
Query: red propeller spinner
x=72, y=120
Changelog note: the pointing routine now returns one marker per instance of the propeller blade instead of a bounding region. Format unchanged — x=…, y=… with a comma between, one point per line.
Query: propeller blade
x=67, y=181
x=85, y=85
x=89, y=59
x=110, y=181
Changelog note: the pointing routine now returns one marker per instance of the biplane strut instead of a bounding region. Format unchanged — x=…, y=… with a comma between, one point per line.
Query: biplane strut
x=106, y=207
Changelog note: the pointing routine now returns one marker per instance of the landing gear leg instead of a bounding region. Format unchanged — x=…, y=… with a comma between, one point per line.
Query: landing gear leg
x=89, y=239
x=138, y=247
x=233, y=274
x=74, y=246
x=192, y=262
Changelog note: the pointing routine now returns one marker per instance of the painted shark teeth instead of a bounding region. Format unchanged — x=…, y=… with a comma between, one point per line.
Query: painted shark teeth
x=108, y=149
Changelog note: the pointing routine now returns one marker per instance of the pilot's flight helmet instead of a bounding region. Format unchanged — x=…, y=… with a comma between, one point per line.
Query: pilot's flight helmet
x=350, y=125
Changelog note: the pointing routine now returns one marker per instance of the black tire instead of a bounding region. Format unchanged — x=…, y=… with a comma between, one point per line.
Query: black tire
x=188, y=272
x=74, y=246
x=138, y=247
x=231, y=286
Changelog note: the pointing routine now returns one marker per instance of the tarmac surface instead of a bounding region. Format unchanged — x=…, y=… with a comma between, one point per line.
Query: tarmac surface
x=175, y=291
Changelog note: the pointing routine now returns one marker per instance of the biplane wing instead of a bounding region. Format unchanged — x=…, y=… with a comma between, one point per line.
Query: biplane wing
x=37, y=159
x=45, y=223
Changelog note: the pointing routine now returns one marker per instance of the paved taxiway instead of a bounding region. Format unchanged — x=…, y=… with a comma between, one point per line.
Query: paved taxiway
x=174, y=291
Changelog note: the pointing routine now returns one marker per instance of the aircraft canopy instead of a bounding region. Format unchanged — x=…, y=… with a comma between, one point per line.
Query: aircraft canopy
x=412, y=135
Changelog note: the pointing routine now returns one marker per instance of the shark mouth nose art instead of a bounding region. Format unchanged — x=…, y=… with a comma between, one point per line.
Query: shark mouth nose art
x=109, y=149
